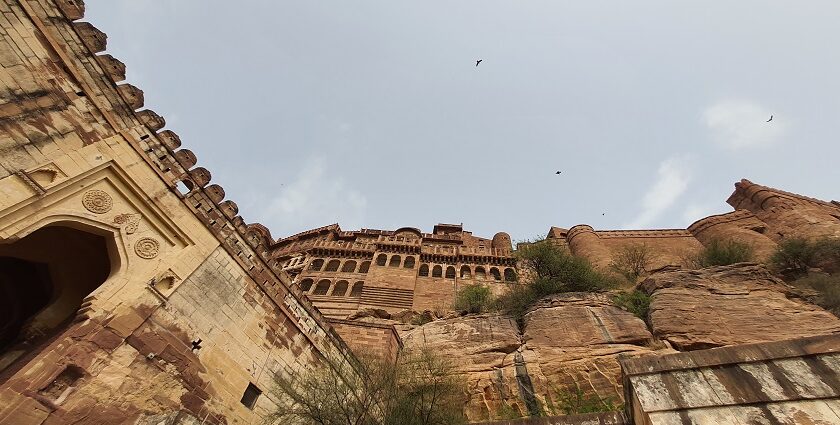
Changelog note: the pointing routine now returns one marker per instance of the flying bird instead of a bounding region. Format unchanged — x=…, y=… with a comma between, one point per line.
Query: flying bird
x=478, y=62
x=771, y=119
x=558, y=172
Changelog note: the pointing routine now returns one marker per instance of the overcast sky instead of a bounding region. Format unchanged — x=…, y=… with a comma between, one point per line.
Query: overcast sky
x=373, y=114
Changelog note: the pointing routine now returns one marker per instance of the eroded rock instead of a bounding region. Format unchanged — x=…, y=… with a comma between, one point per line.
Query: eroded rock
x=737, y=304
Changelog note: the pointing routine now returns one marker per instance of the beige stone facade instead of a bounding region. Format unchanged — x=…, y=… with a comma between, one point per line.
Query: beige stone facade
x=123, y=298
x=342, y=272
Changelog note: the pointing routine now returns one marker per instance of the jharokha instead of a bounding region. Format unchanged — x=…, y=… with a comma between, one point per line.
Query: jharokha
x=133, y=292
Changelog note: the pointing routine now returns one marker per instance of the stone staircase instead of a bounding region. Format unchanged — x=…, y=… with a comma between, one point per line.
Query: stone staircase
x=390, y=298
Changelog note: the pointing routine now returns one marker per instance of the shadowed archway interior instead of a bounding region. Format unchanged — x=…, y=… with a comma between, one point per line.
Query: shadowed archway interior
x=44, y=278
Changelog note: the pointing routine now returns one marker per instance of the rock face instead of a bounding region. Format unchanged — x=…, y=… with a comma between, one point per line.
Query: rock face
x=737, y=304
x=569, y=340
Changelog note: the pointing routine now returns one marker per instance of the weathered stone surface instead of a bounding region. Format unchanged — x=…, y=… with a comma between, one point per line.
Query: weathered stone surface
x=738, y=304
x=570, y=340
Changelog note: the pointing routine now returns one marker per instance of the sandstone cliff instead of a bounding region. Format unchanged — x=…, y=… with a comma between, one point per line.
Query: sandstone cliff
x=728, y=305
x=574, y=340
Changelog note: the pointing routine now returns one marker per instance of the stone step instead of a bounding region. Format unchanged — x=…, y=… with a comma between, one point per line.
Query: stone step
x=387, y=297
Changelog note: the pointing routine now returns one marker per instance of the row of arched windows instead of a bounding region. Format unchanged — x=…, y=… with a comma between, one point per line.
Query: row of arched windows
x=467, y=273
x=349, y=266
x=382, y=260
x=327, y=287
x=395, y=261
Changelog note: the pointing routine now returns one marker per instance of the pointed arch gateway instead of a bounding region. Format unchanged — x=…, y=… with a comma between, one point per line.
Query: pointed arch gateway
x=44, y=277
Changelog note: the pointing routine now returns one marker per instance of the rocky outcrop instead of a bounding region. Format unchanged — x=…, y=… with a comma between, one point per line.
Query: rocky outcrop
x=737, y=304
x=568, y=341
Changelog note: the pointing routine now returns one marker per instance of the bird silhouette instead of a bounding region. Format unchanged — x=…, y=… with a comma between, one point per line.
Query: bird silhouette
x=558, y=172
x=478, y=62
x=771, y=119
x=603, y=213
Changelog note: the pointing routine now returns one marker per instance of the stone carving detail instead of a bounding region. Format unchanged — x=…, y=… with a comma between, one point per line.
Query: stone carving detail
x=147, y=248
x=130, y=222
x=97, y=201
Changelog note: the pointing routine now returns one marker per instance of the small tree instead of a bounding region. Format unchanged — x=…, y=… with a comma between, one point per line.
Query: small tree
x=419, y=389
x=723, y=253
x=473, y=299
x=795, y=255
x=632, y=261
x=636, y=302
x=550, y=269
x=573, y=401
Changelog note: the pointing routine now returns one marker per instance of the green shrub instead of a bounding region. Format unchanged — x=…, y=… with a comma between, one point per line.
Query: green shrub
x=827, y=288
x=575, y=401
x=551, y=269
x=794, y=254
x=473, y=299
x=632, y=261
x=797, y=255
x=723, y=253
x=636, y=302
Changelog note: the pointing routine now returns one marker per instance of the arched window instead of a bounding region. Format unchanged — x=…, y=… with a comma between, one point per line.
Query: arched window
x=480, y=273
x=357, y=289
x=510, y=275
x=395, y=261
x=437, y=271
x=322, y=288
x=340, y=288
x=349, y=266
x=306, y=285
x=316, y=264
x=409, y=262
x=495, y=273
x=332, y=266
x=465, y=272
x=364, y=267
x=381, y=260
x=424, y=270
x=450, y=272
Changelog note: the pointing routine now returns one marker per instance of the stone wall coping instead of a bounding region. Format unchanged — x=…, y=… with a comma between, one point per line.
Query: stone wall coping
x=744, y=353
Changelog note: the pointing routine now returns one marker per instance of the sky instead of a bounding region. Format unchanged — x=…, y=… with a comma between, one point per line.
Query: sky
x=373, y=114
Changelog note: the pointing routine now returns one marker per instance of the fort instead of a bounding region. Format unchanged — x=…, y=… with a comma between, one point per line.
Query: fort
x=132, y=291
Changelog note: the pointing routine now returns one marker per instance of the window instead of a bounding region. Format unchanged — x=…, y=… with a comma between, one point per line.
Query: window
x=252, y=393
x=495, y=273
x=395, y=261
x=306, y=285
x=424, y=270
x=450, y=272
x=364, y=267
x=381, y=260
x=357, y=289
x=480, y=273
x=332, y=266
x=340, y=289
x=317, y=264
x=510, y=275
x=322, y=288
x=349, y=266
x=409, y=262
x=466, y=273
x=437, y=271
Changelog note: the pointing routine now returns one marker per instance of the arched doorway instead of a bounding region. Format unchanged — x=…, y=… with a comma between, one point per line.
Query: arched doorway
x=44, y=277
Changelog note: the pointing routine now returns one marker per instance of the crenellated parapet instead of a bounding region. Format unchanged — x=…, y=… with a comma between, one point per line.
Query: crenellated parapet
x=144, y=131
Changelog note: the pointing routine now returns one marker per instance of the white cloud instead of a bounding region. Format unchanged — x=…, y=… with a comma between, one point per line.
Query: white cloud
x=739, y=124
x=695, y=212
x=672, y=180
x=315, y=199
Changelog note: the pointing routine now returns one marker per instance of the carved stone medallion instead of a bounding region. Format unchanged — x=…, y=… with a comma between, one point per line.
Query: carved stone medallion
x=97, y=201
x=147, y=248
x=130, y=221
